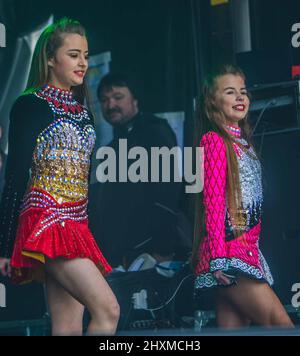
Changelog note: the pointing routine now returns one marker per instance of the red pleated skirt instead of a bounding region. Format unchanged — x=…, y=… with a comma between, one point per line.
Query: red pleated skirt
x=49, y=229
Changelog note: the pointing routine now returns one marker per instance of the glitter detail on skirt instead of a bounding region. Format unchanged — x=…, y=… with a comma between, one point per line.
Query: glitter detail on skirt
x=47, y=228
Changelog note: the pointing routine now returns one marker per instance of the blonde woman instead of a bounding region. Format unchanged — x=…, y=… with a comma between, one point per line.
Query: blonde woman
x=44, y=223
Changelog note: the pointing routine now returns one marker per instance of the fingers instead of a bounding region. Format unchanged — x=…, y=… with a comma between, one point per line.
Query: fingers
x=5, y=268
x=9, y=270
x=223, y=280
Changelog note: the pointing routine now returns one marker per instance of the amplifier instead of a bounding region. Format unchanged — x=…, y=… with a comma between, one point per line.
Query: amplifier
x=275, y=107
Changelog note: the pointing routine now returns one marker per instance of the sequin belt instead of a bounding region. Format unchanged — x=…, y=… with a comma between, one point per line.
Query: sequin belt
x=52, y=211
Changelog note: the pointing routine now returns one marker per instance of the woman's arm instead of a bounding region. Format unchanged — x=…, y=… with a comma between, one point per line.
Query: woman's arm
x=27, y=118
x=215, y=177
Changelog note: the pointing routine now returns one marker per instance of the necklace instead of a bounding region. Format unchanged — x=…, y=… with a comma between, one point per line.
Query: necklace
x=62, y=103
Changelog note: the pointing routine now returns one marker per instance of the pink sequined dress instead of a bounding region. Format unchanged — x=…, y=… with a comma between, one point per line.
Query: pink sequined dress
x=220, y=249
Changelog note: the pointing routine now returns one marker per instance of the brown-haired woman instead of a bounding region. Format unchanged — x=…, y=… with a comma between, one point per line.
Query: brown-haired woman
x=44, y=202
x=228, y=217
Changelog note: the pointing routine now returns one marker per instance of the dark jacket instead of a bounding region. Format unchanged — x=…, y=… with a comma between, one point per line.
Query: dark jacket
x=130, y=218
x=2, y=169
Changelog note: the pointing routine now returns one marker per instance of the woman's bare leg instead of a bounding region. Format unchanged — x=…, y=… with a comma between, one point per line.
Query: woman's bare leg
x=257, y=302
x=228, y=316
x=84, y=282
x=65, y=311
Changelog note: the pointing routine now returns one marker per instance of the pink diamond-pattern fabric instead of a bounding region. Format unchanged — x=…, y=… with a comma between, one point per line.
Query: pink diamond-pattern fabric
x=214, y=195
x=215, y=253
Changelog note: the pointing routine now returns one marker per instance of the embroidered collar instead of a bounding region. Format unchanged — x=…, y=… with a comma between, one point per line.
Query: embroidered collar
x=53, y=93
x=234, y=131
x=62, y=102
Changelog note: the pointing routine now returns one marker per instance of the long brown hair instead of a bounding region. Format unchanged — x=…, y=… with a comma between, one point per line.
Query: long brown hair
x=210, y=118
x=47, y=45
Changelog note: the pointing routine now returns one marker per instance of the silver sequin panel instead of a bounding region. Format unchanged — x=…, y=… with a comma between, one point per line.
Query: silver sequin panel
x=65, y=134
x=250, y=177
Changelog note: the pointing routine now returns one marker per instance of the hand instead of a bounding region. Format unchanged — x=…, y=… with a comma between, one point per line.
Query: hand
x=5, y=268
x=222, y=279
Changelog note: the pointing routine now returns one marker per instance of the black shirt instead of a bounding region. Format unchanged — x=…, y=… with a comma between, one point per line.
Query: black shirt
x=28, y=117
x=130, y=218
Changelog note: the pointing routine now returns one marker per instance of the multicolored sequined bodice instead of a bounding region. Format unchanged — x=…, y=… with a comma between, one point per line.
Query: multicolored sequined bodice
x=61, y=159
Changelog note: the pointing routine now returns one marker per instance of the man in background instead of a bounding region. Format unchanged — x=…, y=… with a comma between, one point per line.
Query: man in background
x=129, y=219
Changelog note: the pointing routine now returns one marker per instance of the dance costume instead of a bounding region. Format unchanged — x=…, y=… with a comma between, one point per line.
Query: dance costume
x=44, y=203
x=220, y=249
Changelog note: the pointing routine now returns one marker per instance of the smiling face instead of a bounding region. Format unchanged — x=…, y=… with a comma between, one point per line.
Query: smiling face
x=231, y=98
x=70, y=63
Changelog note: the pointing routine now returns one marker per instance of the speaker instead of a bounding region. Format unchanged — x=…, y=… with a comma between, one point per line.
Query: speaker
x=22, y=302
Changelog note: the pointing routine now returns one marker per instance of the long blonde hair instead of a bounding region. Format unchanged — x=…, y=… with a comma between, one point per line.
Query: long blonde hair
x=47, y=45
x=210, y=118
